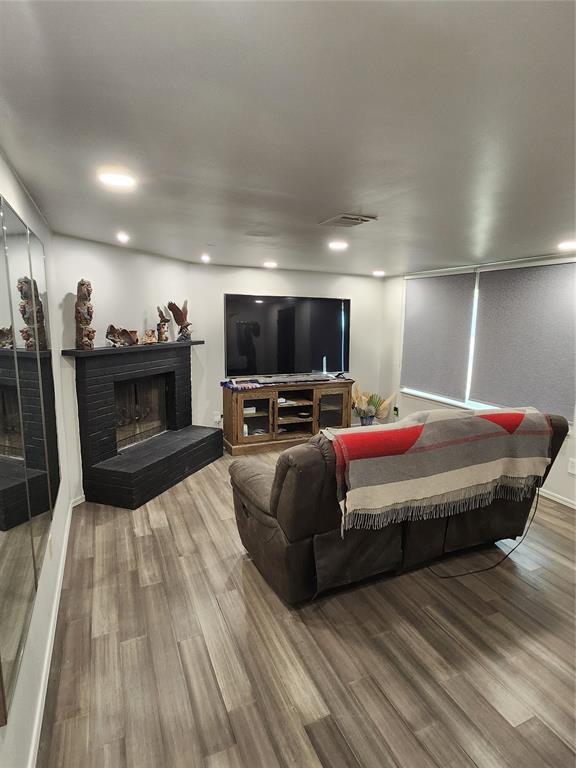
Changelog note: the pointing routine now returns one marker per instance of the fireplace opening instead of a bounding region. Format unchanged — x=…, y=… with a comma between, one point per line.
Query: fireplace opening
x=140, y=409
x=10, y=434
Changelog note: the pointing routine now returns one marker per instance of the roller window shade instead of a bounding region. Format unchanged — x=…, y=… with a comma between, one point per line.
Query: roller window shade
x=437, y=323
x=525, y=339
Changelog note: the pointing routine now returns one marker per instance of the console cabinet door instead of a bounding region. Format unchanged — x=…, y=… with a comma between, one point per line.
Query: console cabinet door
x=255, y=416
x=333, y=408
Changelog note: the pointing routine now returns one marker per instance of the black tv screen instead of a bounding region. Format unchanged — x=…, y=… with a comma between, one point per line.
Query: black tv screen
x=268, y=335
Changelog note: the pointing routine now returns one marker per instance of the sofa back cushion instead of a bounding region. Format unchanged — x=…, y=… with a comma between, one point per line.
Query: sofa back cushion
x=303, y=495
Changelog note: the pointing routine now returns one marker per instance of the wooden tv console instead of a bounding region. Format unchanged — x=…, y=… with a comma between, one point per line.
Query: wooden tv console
x=279, y=415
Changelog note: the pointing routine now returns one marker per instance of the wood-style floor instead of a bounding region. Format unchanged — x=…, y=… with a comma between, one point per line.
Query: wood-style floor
x=172, y=651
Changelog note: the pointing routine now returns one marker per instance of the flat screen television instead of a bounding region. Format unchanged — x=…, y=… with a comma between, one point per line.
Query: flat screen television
x=267, y=335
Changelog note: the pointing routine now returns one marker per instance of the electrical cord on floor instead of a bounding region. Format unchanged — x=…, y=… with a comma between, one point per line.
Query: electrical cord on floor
x=494, y=565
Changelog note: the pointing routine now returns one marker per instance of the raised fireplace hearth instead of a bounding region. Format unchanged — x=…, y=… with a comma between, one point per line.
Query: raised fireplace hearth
x=135, y=413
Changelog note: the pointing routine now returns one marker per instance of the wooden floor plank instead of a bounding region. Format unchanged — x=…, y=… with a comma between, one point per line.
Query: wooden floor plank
x=74, y=682
x=254, y=743
x=171, y=650
x=228, y=758
x=179, y=733
x=210, y=714
x=110, y=755
x=144, y=744
x=228, y=667
x=106, y=705
x=69, y=743
x=543, y=741
x=330, y=745
x=282, y=719
x=401, y=741
x=492, y=724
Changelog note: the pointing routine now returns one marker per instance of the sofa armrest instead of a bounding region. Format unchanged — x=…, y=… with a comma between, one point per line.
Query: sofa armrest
x=253, y=480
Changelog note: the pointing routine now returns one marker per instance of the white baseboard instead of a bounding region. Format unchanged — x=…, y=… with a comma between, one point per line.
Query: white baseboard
x=39, y=715
x=78, y=500
x=560, y=499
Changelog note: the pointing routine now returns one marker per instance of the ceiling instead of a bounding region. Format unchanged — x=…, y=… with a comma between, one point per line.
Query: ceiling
x=247, y=123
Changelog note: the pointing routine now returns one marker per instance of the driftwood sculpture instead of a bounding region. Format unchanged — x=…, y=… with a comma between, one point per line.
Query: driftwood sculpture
x=83, y=315
x=149, y=336
x=6, y=338
x=162, y=327
x=32, y=312
x=181, y=318
x=120, y=337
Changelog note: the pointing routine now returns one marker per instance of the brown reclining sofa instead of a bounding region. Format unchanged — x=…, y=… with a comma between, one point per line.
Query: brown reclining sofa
x=289, y=521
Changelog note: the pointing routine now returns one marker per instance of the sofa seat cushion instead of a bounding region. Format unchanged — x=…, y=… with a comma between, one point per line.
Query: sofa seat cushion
x=253, y=481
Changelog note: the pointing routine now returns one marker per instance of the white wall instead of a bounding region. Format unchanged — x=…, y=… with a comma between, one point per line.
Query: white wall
x=127, y=287
x=18, y=739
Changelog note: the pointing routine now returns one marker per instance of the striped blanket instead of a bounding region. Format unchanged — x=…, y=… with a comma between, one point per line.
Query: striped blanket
x=438, y=463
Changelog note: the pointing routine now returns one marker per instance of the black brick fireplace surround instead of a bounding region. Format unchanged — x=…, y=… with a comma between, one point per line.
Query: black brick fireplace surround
x=24, y=489
x=132, y=476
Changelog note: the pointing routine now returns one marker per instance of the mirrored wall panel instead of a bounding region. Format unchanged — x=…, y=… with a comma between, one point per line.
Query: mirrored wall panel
x=29, y=470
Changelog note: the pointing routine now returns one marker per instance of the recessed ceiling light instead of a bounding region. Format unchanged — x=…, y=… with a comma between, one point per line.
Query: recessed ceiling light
x=378, y=273
x=338, y=245
x=122, y=237
x=567, y=245
x=270, y=264
x=205, y=258
x=258, y=301
x=116, y=178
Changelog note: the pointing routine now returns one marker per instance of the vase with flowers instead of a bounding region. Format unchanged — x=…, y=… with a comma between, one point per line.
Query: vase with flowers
x=369, y=405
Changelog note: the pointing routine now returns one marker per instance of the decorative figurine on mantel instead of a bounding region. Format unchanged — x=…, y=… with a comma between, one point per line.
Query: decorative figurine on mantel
x=83, y=315
x=32, y=312
x=6, y=338
x=149, y=336
x=120, y=337
x=162, y=326
x=181, y=318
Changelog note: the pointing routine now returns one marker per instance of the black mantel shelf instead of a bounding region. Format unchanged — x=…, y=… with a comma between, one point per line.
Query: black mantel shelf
x=97, y=351
x=5, y=352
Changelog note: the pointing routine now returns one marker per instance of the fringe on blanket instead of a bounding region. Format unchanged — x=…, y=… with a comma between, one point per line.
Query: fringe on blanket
x=444, y=505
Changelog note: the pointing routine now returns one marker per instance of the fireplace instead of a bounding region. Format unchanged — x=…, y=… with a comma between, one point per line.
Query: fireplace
x=10, y=434
x=135, y=414
x=140, y=409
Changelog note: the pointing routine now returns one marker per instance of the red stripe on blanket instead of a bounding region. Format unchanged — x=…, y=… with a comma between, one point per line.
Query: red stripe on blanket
x=369, y=445
x=509, y=421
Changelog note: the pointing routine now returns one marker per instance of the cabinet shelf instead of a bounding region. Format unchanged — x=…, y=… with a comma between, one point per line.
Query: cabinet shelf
x=293, y=419
x=295, y=402
x=293, y=435
x=257, y=415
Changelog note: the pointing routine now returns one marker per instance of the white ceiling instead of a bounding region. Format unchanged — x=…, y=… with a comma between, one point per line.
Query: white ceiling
x=247, y=123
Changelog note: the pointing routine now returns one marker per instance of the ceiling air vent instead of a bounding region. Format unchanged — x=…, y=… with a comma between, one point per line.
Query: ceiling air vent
x=348, y=220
